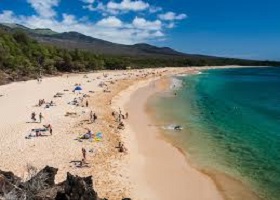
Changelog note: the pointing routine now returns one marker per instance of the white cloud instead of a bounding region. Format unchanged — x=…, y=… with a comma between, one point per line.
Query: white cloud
x=128, y=5
x=111, y=21
x=44, y=8
x=88, y=1
x=110, y=27
x=101, y=8
x=171, y=25
x=154, y=9
x=141, y=23
x=171, y=16
x=114, y=8
x=68, y=19
x=7, y=16
x=158, y=34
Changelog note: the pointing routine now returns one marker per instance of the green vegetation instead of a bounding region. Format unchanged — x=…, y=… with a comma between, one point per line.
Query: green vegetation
x=22, y=58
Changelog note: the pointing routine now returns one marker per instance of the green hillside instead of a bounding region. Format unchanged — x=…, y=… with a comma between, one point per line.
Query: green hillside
x=22, y=58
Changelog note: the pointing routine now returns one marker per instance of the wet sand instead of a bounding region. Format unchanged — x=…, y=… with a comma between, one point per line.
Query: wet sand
x=157, y=169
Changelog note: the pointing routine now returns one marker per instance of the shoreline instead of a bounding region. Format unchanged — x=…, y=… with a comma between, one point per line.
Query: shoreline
x=216, y=184
x=153, y=158
x=231, y=188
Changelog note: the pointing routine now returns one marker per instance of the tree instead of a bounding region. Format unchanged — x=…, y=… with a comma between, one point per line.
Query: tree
x=21, y=37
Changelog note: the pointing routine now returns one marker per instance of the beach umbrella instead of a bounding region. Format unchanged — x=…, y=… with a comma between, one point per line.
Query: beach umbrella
x=78, y=88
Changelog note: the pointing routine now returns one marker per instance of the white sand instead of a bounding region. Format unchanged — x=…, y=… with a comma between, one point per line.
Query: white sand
x=152, y=169
x=17, y=104
x=157, y=169
x=19, y=100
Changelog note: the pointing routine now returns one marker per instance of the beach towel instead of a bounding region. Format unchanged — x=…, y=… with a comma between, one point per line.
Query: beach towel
x=98, y=137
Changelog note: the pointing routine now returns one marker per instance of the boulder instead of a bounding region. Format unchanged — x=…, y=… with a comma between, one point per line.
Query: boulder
x=7, y=181
x=49, y=173
x=77, y=188
x=42, y=186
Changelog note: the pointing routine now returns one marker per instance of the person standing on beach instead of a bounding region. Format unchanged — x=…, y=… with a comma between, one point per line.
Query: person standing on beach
x=40, y=117
x=50, y=128
x=91, y=116
x=86, y=103
x=126, y=115
x=84, y=153
x=120, y=117
x=94, y=117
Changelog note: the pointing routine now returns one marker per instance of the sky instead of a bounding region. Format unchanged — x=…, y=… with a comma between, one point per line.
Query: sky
x=230, y=28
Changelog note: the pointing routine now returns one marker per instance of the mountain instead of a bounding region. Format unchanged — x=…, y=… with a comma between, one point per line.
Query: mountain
x=24, y=54
x=75, y=40
x=14, y=26
x=138, y=53
x=44, y=31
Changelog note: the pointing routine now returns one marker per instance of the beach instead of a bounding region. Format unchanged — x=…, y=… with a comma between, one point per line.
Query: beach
x=159, y=169
x=151, y=168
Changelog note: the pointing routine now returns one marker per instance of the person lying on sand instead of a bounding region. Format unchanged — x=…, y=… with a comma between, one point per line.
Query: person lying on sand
x=70, y=114
x=80, y=164
x=38, y=133
x=88, y=135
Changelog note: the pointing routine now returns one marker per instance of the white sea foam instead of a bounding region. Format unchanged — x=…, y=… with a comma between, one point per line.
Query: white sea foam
x=170, y=127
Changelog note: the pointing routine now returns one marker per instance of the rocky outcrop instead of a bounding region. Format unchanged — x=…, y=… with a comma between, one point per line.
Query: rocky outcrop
x=47, y=174
x=42, y=187
x=8, y=181
x=76, y=187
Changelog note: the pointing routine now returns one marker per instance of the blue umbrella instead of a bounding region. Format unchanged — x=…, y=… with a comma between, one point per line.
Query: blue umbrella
x=78, y=88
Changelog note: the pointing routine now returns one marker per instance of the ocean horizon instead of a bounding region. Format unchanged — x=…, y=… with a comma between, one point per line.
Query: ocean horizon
x=230, y=120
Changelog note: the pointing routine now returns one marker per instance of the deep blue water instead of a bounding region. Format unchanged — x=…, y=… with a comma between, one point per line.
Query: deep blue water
x=231, y=120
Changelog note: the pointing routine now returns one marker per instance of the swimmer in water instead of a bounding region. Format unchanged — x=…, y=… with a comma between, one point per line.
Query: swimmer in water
x=177, y=128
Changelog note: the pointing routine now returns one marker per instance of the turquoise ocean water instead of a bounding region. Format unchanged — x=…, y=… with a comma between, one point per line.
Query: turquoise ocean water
x=231, y=121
